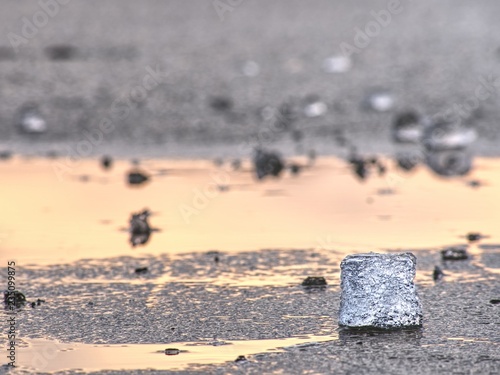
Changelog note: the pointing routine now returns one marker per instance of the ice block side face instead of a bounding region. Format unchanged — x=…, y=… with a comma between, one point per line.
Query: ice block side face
x=378, y=291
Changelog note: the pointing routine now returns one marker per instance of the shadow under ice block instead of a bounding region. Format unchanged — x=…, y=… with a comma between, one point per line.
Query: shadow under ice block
x=378, y=291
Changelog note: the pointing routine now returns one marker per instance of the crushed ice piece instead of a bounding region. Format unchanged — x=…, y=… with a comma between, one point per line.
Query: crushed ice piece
x=267, y=163
x=380, y=101
x=30, y=119
x=378, y=291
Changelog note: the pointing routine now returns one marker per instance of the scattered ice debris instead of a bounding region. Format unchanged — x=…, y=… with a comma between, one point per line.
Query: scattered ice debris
x=378, y=291
x=454, y=253
x=141, y=270
x=448, y=136
x=172, y=351
x=407, y=128
x=437, y=274
x=379, y=101
x=449, y=163
x=337, y=64
x=221, y=103
x=251, y=68
x=362, y=166
x=137, y=177
x=106, y=162
x=314, y=107
x=314, y=281
x=267, y=163
x=30, y=120
x=139, y=228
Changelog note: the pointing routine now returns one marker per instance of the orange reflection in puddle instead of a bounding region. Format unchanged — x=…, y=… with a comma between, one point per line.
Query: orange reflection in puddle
x=45, y=220
x=52, y=356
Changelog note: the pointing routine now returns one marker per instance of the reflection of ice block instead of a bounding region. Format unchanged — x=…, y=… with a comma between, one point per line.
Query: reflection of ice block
x=378, y=291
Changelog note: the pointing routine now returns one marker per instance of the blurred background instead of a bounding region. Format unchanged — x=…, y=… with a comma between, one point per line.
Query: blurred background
x=198, y=78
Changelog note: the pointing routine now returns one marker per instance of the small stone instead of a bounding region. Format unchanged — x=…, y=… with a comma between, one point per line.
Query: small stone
x=473, y=237
x=141, y=270
x=39, y=301
x=137, y=177
x=437, y=274
x=216, y=259
x=139, y=228
x=313, y=281
x=106, y=161
x=295, y=169
x=33, y=305
x=378, y=291
x=241, y=358
x=172, y=351
x=495, y=301
x=267, y=163
x=454, y=253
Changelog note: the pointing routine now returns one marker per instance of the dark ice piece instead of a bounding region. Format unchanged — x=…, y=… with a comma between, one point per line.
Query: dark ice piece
x=314, y=281
x=454, y=253
x=139, y=229
x=437, y=274
x=141, y=270
x=378, y=291
x=106, y=161
x=137, y=177
x=172, y=351
x=267, y=163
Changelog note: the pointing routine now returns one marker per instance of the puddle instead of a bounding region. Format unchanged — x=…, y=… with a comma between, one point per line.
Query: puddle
x=53, y=356
x=46, y=220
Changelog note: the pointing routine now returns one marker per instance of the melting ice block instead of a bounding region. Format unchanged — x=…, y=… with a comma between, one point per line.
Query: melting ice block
x=378, y=291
